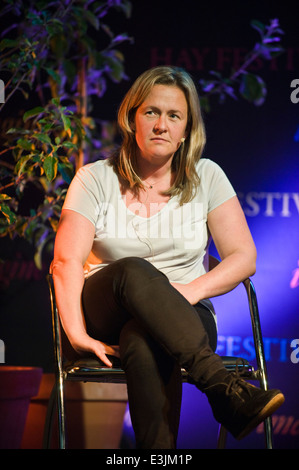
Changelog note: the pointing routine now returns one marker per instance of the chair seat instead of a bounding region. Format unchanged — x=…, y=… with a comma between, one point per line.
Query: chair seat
x=95, y=370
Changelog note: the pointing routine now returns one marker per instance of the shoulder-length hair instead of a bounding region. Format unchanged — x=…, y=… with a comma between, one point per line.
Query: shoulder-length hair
x=188, y=154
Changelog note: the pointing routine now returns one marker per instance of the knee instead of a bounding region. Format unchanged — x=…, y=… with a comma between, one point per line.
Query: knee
x=134, y=262
x=138, y=268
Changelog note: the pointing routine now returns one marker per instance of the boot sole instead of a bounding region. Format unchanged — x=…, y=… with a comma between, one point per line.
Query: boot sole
x=267, y=411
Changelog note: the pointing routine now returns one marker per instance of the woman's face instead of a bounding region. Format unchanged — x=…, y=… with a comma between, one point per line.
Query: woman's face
x=160, y=123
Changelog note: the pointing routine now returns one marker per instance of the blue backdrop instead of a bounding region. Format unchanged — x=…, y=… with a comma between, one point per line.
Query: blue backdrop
x=258, y=149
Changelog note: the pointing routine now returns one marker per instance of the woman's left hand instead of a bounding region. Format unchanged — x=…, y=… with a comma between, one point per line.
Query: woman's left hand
x=188, y=291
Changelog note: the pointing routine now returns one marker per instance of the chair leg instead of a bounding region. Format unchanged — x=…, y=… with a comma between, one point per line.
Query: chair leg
x=268, y=432
x=61, y=413
x=260, y=355
x=222, y=435
x=56, y=403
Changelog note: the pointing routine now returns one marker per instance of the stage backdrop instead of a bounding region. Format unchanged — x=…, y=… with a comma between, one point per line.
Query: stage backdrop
x=258, y=149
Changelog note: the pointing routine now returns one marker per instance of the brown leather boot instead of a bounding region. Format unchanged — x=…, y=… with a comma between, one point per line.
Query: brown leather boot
x=238, y=405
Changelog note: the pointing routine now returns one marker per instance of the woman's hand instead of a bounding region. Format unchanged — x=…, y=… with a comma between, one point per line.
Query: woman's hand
x=87, y=344
x=188, y=291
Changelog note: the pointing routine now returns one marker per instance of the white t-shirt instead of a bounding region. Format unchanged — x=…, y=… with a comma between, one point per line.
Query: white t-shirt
x=174, y=239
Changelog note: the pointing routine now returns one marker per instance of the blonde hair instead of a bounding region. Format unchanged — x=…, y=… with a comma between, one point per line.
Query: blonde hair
x=189, y=153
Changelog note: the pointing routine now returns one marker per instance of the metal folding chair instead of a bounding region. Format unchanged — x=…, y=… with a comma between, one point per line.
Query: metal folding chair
x=92, y=370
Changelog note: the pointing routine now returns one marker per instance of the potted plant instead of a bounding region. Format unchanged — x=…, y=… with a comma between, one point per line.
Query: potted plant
x=18, y=386
x=58, y=56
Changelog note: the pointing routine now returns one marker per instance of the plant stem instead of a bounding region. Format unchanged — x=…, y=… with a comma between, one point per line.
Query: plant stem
x=81, y=107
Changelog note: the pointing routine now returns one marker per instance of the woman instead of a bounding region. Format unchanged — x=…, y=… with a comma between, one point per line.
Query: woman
x=129, y=262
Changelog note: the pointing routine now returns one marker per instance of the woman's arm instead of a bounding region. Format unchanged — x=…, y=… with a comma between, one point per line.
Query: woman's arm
x=236, y=249
x=72, y=246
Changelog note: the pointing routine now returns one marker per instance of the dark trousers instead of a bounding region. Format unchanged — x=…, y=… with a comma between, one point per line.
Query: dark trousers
x=132, y=304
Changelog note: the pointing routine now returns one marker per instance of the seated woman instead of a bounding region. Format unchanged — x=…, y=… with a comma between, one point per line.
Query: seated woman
x=129, y=269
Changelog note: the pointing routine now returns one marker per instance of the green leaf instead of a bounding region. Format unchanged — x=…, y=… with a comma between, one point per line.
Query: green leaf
x=48, y=126
x=24, y=144
x=35, y=19
x=8, y=43
x=53, y=74
x=33, y=112
x=8, y=214
x=92, y=19
x=66, y=171
x=260, y=27
x=44, y=138
x=56, y=101
x=253, y=88
x=50, y=166
x=66, y=122
x=69, y=69
x=115, y=67
x=205, y=104
x=69, y=145
x=4, y=197
x=54, y=26
x=21, y=164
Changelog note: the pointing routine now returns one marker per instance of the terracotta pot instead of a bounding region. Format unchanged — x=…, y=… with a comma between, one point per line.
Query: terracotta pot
x=17, y=386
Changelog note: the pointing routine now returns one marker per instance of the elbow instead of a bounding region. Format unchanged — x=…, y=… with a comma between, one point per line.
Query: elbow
x=252, y=270
x=56, y=265
x=252, y=263
x=60, y=265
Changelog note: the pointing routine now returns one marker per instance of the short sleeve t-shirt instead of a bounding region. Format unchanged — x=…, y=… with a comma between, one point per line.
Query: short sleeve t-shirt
x=174, y=239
